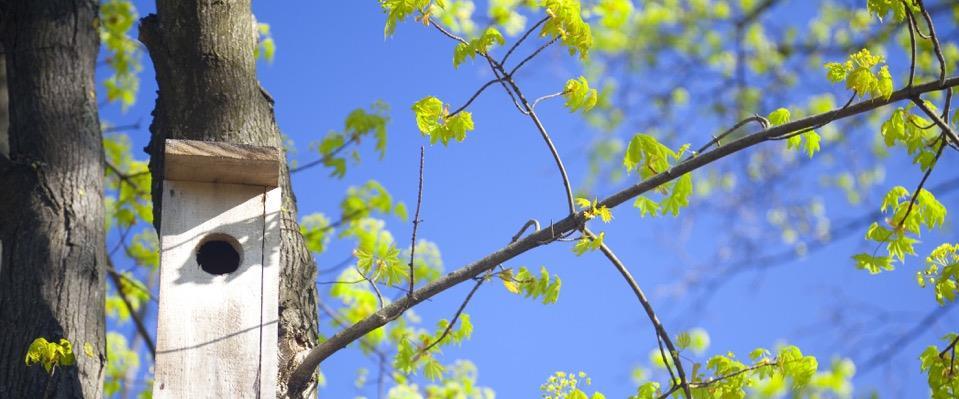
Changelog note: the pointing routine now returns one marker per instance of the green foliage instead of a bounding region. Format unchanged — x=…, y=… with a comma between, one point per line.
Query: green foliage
x=858, y=74
x=526, y=283
x=593, y=209
x=907, y=217
x=566, y=23
x=135, y=292
x=881, y=8
x=121, y=362
x=579, y=96
x=480, y=45
x=678, y=197
x=809, y=140
x=361, y=202
x=943, y=377
x=433, y=120
x=316, y=231
x=457, y=16
x=563, y=385
x=265, y=45
x=50, y=354
x=117, y=18
x=646, y=155
x=905, y=129
x=128, y=184
x=942, y=273
x=586, y=244
x=359, y=124
x=504, y=13
x=696, y=340
x=398, y=10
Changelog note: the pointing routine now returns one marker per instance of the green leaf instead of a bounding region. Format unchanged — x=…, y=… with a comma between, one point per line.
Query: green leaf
x=398, y=10
x=679, y=196
x=585, y=244
x=778, y=117
x=481, y=45
x=646, y=206
x=433, y=120
x=579, y=96
x=566, y=23
x=873, y=264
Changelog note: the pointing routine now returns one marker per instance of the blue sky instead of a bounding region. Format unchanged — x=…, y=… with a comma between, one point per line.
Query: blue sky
x=332, y=57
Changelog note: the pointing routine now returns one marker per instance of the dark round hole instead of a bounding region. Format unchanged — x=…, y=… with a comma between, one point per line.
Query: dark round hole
x=217, y=256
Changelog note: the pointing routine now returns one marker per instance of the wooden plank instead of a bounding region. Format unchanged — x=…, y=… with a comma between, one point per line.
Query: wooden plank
x=217, y=334
x=203, y=161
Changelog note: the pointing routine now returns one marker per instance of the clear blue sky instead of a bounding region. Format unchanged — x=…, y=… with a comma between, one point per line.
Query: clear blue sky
x=332, y=57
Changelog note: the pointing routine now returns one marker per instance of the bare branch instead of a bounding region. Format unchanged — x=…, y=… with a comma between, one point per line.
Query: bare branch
x=573, y=222
x=449, y=327
x=115, y=276
x=946, y=129
x=520, y=41
x=327, y=157
x=650, y=312
x=416, y=223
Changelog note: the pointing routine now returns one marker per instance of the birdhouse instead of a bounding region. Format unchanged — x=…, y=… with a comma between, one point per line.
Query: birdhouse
x=219, y=271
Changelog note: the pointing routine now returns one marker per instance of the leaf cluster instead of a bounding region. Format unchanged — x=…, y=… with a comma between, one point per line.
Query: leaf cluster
x=434, y=120
x=50, y=354
x=529, y=285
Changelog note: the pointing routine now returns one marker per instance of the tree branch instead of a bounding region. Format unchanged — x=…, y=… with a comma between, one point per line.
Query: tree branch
x=416, y=223
x=572, y=222
x=650, y=312
x=115, y=276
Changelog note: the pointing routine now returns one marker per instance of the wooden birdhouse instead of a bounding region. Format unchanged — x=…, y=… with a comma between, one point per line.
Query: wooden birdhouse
x=219, y=271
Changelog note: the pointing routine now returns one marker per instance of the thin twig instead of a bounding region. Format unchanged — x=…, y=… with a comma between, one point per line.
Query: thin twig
x=755, y=118
x=946, y=129
x=650, y=312
x=936, y=46
x=353, y=139
x=912, y=42
x=521, y=39
x=546, y=97
x=473, y=97
x=449, y=327
x=141, y=328
x=416, y=223
x=529, y=223
x=513, y=71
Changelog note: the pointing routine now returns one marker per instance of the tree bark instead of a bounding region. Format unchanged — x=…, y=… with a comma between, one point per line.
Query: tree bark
x=203, y=54
x=51, y=201
x=4, y=108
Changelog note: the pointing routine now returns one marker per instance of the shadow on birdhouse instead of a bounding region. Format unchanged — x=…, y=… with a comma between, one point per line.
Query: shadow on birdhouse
x=219, y=271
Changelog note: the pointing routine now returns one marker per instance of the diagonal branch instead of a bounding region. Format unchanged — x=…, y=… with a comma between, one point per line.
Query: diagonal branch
x=573, y=222
x=141, y=328
x=650, y=312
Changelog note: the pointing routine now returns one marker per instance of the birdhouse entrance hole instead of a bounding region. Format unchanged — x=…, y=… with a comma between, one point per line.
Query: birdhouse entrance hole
x=218, y=254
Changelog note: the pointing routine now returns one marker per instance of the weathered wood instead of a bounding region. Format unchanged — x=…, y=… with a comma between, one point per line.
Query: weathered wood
x=217, y=162
x=217, y=334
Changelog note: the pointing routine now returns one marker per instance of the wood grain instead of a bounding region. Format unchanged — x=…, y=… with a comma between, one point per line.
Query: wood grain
x=217, y=334
x=218, y=162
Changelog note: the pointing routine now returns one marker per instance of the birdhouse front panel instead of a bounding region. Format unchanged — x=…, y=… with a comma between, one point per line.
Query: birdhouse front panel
x=219, y=268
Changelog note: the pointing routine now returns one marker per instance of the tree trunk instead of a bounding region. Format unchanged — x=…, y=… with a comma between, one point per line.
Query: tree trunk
x=51, y=201
x=4, y=109
x=203, y=54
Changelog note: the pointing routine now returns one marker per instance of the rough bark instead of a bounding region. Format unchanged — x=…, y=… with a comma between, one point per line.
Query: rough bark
x=203, y=54
x=4, y=108
x=51, y=203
